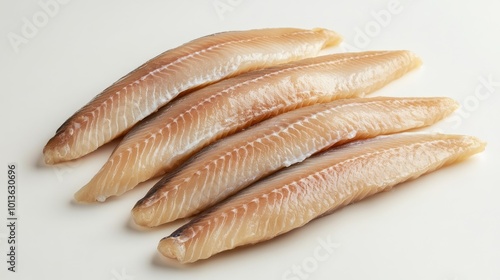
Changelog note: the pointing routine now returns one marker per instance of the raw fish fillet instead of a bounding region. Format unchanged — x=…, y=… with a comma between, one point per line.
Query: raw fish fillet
x=236, y=161
x=296, y=195
x=155, y=83
x=183, y=127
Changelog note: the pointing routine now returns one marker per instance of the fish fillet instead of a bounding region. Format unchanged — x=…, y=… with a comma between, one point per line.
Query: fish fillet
x=155, y=83
x=296, y=195
x=236, y=161
x=183, y=127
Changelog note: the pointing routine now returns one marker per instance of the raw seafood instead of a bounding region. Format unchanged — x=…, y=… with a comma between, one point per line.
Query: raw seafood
x=236, y=161
x=298, y=194
x=155, y=83
x=179, y=130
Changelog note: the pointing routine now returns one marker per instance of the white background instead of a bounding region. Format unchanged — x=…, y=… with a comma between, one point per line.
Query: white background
x=443, y=226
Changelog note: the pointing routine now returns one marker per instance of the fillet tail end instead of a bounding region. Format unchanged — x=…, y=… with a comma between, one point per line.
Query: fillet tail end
x=333, y=37
x=172, y=248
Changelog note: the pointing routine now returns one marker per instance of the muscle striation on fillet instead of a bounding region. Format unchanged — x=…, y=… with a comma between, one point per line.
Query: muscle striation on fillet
x=158, y=81
x=239, y=160
x=316, y=187
x=177, y=131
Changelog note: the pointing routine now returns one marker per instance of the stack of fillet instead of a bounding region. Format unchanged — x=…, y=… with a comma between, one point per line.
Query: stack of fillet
x=250, y=130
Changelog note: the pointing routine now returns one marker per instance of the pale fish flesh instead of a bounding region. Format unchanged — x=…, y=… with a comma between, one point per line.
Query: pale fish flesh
x=236, y=161
x=296, y=195
x=181, y=128
x=155, y=83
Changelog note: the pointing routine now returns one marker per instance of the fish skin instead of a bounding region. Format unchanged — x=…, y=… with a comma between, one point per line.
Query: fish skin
x=191, y=65
x=316, y=187
x=183, y=127
x=239, y=160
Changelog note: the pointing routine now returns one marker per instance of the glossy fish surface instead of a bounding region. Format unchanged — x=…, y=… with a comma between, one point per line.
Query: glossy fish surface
x=321, y=184
x=158, y=81
x=239, y=160
x=180, y=129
